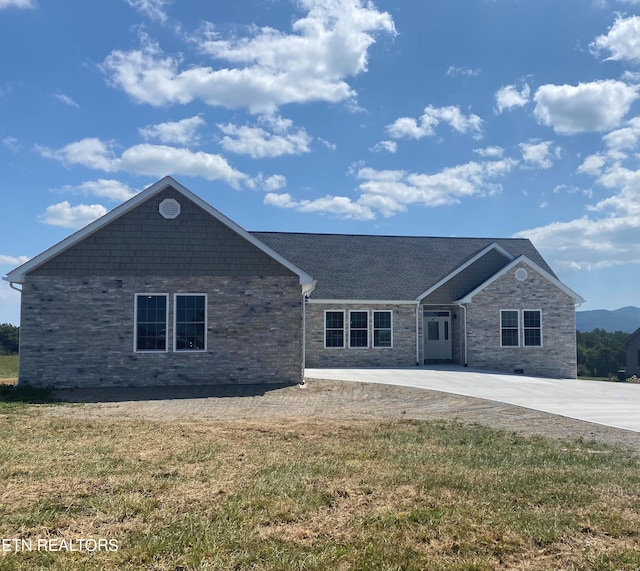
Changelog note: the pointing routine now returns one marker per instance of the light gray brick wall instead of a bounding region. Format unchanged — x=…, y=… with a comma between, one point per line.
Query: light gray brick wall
x=79, y=332
x=402, y=354
x=556, y=357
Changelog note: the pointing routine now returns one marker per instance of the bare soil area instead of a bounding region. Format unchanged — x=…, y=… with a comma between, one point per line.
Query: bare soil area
x=329, y=399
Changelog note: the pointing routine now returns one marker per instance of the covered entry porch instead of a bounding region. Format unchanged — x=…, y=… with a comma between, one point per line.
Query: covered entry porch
x=441, y=334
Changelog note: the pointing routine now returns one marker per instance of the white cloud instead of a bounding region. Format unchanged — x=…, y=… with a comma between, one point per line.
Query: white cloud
x=391, y=191
x=153, y=9
x=183, y=132
x=90, y=152
x=386, y=146
x=539, y=154
x=587, y=243
x=408, y=127
x=327, y=144
x=273, y=182
x=259, y=142
x=592, y=165
x=161, y=160
x=67, y=216
x=340, y=206
x=11, y=143
x=103, y=188
x=624, y=138
x=12, y=260
x=494, y=152
x=594, y=106
x=25, y=4
x=66, y=100
x=388, y=192
x=508, y=97
x=147, y=159
x=265, y=69
x=622, y=41
x=455, y=71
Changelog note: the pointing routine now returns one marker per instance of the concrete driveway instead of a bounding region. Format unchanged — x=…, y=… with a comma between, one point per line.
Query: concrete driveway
x=611, y=404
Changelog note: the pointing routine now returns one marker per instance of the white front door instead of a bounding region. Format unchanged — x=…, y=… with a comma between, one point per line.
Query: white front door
x=437, y=335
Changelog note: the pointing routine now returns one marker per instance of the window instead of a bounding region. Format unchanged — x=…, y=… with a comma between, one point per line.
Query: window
x=190, y=322
x=509, y=328
x=334, y=329
x=382, y=329
x=358, y=329
x=151, y=322
x=532, y=323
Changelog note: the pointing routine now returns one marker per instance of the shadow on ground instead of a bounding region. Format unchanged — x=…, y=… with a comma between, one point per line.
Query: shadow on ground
x=125, y=394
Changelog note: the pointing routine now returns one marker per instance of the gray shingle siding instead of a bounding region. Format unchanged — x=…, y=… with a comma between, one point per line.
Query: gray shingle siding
x=142, y=242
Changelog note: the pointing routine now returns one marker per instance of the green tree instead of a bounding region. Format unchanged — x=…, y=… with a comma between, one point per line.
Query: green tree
x=601, y=353
x=9, y=339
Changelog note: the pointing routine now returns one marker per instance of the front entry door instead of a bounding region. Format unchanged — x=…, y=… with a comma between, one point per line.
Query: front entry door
x=437, y=336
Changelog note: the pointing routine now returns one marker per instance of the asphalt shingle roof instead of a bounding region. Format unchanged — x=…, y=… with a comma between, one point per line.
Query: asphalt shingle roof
x=383, y=267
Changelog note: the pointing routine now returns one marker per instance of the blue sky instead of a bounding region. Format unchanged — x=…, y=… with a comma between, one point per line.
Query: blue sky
x=490, y=118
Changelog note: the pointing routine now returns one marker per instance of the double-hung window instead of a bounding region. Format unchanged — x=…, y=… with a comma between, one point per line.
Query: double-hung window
x=382, y=336
x=190, y=322
x=520, y=329
x=532, y=324
x=509, y=328
x=152, y=311
x=334, y=328
x=358, y=329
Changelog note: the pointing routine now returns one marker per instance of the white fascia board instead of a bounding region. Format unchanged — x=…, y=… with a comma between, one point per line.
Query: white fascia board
x=523, y=259
x=363, y=301
x=482, y=253
x=18, y=275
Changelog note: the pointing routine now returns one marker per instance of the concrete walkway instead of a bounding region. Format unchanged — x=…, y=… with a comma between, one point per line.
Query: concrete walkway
x=611, y=404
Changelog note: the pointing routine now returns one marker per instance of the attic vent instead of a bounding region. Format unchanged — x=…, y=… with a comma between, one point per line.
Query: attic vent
x=169, y=208
x=521, y=274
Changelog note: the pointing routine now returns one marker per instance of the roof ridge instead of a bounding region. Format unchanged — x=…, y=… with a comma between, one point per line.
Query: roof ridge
x=493, y=239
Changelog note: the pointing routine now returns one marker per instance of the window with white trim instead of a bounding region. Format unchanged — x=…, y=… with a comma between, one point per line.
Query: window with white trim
x=190, y=331
x=509, y=328
x=382, y=329
x=334, y=328
x=532, y=327
x=358, y=329
x=152, y=312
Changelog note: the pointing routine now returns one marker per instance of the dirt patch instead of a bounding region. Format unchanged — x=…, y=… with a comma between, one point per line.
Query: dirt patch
x=335, y=399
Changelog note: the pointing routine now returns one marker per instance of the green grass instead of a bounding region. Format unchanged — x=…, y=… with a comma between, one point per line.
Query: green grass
x=8, y=366
x=314, y=495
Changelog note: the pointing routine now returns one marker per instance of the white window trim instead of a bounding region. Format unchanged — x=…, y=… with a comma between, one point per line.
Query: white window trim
x=518, y=328
x=373, y=330
x=541, y=332
x=368, y=329
x=324, y=328
x=175, y=322
x=135, y=323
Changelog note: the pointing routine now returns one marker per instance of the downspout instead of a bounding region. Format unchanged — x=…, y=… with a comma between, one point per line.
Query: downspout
x=464, y=311
x=418, y=334
x=306, y=291
x=12, y=286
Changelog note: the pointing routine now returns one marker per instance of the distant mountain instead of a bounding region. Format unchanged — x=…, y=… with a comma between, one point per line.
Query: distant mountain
x=624, y=319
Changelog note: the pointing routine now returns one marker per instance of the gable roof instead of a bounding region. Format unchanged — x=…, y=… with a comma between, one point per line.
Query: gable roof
x=18, y=275
x=523, y=259
x=366, y=267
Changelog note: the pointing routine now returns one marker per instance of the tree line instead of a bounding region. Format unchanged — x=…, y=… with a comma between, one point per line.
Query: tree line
x=9, y=338
x=600, y=354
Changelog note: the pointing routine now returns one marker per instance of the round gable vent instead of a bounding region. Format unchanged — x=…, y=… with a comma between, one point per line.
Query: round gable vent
x=521, y=274
x=169, y=208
